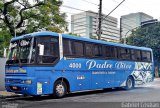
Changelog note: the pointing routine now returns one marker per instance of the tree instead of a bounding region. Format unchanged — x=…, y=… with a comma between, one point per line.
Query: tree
x=26, y=16
x=74, y=34
x=29, y=17
x=148, y=36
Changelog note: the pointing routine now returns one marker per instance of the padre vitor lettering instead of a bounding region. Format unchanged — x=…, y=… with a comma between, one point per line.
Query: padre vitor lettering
x=93, y=64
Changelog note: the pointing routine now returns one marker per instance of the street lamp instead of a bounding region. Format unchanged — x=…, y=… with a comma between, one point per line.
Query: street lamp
x=125, y=36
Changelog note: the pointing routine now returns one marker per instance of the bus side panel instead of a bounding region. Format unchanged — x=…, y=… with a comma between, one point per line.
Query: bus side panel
x=98, y=80
x=74, y=72
x=143, y=72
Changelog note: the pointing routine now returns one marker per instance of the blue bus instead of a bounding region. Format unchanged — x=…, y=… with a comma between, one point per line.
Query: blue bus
x=44, y=63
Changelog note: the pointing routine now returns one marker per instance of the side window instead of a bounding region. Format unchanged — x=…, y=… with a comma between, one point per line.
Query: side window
x=137, y=55
x=149, y=58
x=124, y=53
x=97, y=51
x=111, y=52
x=78, y=48
x=51, y=49
x=88, y=49
x=133, y=56
x=67, y=47
x=73, y=48
x=146, y=56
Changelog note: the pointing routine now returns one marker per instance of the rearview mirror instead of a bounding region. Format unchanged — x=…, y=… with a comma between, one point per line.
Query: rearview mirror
x=41, y=49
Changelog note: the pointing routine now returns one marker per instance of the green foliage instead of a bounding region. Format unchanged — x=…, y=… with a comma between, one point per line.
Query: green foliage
x=26, y=17
x=4, y=40
x=74, y=34
x=148, y=36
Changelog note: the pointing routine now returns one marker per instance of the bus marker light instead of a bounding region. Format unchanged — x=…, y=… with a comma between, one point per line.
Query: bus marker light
x=63, y=70
x=53, y=70
x=46, y=82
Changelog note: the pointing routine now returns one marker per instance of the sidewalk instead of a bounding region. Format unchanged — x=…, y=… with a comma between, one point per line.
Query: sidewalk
x=6, y=94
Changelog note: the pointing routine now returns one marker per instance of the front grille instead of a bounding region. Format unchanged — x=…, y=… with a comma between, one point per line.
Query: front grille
x=14, y=81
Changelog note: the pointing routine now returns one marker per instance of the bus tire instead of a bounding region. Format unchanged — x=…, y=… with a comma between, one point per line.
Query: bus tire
x=60, y=89
x=129, y=83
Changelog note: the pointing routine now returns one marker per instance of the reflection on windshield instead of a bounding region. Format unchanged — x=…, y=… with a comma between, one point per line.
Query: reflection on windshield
x=26, y=51
x=13, y=52
x=19, y=51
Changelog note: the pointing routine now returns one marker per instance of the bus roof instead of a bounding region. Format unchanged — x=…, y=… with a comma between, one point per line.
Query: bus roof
x=48, y=33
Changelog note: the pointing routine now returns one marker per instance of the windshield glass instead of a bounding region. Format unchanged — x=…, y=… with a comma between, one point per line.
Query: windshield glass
x=27, y=51
x=20, y=51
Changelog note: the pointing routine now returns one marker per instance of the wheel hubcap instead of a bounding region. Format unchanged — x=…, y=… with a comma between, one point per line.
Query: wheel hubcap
x=129, y=83
x=60, y=89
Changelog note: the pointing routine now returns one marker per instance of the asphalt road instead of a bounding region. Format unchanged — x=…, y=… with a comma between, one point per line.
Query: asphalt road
x=143, y=95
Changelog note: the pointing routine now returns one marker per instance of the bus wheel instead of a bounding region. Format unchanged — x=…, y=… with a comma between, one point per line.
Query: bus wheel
x=60, y=89
x=129, y=83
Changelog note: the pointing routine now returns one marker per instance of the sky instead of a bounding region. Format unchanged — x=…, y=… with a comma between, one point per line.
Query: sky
x=150, y=7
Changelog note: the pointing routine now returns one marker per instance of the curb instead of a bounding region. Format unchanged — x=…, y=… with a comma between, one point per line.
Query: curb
x=3, y=97
x=5, y=94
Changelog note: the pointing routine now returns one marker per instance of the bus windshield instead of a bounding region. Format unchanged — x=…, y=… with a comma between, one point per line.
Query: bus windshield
x=20, y=51
x=26, y=51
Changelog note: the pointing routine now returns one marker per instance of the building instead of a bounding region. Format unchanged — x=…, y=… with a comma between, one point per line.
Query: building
x=85, y=24
x=2, y=73
x=149, y=22
x=131, y=21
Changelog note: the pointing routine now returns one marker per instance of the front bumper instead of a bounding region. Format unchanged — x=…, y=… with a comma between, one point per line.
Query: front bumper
x=17, y=85
x=37, y=87
x=21, y=89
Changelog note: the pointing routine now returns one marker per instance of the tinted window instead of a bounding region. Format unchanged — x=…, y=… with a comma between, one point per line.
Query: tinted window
x=124, y=53
x=72, y=48
x=137, y=54
x=92, y=50
x=146, y=56
x=133, y=56
x=111, y=52
x=67, y=48
x=78, y=48
x=88, y=49
x=97, y=51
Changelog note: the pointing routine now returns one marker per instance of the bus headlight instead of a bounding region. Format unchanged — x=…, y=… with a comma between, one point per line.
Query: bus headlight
x=28, y=81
